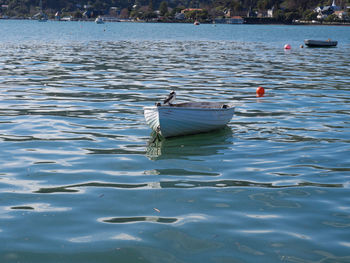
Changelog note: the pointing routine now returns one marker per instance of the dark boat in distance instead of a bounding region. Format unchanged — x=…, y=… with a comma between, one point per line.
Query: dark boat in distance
x=320, y=43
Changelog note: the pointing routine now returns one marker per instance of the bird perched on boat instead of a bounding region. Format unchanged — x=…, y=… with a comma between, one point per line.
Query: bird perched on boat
x=170, y=98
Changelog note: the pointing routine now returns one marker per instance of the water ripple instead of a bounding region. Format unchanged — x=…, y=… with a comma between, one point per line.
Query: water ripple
x=82, y=169
x=181, y=184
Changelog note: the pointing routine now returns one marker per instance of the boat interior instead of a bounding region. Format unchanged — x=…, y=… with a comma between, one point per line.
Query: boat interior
x=202, y=105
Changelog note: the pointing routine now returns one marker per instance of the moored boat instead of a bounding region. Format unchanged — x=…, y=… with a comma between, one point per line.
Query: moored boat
x=320, y=43
x=187, y=118
x=99, y=20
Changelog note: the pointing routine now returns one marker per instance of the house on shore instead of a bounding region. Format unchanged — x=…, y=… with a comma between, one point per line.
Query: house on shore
x=230, y=18
x=324, y=11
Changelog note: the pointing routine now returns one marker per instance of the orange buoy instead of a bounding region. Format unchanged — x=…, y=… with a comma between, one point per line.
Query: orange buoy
x=287, y=46
x=260, y=91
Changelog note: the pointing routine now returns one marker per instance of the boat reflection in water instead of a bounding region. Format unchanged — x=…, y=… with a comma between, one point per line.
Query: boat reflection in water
x=184, y=147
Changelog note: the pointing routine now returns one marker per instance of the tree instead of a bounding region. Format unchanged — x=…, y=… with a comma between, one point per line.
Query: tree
x=332, y=18
x=235, y=6
x=124, y=13
x=290, y=16
x=78, y=14
x=279, y=15
x=194, y=15
x=310, y=15
x=163, y=8
x=99, y=5
x=150, y=6
x=263, y=4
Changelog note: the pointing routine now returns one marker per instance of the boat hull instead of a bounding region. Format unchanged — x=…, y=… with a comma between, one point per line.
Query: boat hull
x=320, y=43
x=172, y=121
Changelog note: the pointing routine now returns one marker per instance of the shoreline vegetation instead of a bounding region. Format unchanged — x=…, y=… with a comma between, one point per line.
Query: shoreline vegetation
x=296, y=12
x=246, y=21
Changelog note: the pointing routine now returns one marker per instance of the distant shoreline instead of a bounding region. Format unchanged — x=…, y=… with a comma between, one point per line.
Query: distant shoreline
x=246, y=22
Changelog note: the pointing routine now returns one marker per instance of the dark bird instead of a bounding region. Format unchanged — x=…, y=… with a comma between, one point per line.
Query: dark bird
x=170, y=98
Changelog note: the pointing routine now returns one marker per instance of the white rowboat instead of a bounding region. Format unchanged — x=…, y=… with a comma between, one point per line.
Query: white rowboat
x=188, y=118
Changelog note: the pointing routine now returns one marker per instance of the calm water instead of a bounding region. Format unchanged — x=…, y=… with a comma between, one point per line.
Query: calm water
x=81, y=180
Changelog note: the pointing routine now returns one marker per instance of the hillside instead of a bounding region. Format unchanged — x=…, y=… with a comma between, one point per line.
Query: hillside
x=283, y=10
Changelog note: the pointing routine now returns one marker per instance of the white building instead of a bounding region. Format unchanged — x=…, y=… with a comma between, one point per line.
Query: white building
x=335, y=7
x=270, y=12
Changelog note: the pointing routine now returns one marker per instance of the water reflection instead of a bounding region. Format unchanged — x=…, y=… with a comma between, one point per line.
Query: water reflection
x=182, y=184
x=184, y=147
x=39, y=207
x=124, y=220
